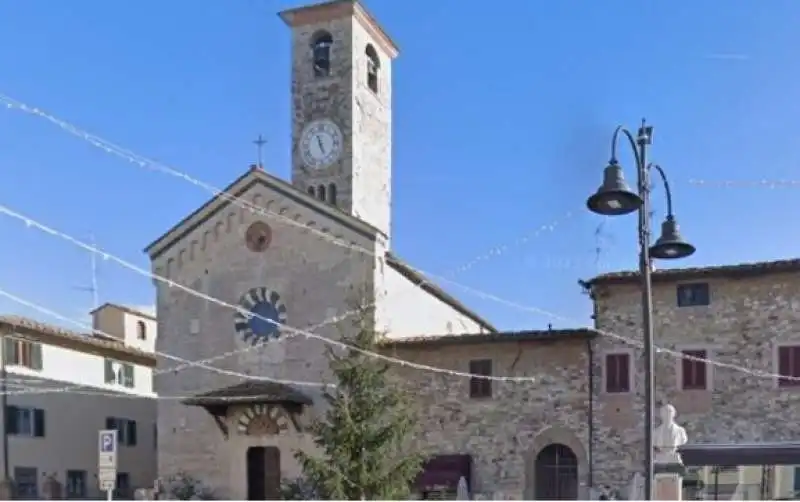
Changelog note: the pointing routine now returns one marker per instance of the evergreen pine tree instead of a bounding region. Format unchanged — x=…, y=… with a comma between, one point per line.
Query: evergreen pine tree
x=363, y=436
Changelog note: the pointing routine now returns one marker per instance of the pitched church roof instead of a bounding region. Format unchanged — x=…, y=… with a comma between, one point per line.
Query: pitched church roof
x=242, y=184
x=254, y=176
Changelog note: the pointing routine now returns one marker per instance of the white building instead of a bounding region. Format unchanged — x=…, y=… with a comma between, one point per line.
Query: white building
x=64, y=386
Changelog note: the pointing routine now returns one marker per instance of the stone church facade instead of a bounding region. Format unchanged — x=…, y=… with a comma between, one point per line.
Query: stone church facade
x=297, y=252
x=300, y=252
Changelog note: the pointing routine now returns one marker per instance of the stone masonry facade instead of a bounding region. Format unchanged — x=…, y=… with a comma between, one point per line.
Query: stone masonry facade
x=752, y=310
x=747, y=318
x=502, y=433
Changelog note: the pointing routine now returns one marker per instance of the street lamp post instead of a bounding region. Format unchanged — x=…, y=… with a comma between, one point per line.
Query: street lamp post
x=615, y=198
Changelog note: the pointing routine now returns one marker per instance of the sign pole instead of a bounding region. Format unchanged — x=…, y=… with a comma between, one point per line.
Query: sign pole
x=107, y=461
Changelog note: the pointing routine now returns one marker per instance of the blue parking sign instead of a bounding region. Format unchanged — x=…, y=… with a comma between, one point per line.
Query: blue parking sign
x=107, y=442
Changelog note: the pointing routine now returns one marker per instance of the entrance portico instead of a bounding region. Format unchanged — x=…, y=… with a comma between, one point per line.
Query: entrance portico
x=262, y=423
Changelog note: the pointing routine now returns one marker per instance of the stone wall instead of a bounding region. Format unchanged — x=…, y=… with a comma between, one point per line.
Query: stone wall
x=503, y=433
x=742, y=326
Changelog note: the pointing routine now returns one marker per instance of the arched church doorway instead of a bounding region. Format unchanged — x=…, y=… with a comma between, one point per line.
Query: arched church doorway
x=556, y=473
x=263, y=473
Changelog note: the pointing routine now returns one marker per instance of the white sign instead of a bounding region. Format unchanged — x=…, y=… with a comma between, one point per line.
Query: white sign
x=107, y=459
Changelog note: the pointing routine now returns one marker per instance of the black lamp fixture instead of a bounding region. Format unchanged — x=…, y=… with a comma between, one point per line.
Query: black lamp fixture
x=670, y=245
x=614, y=197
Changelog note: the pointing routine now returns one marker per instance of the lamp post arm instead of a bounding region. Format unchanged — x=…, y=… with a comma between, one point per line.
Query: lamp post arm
x=666, y=186
x=631, y=140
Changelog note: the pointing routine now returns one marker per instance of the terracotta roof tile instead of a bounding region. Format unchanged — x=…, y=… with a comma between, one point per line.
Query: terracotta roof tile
x=250, y=391
x=498, y=337
x=683, y=274
x=84, y=342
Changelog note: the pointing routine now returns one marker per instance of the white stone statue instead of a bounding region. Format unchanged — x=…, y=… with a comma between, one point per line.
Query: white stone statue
x=667, y=437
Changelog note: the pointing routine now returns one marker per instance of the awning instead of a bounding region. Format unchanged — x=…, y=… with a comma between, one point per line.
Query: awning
x=443, y=472
x=741, y=454
x=250, y=392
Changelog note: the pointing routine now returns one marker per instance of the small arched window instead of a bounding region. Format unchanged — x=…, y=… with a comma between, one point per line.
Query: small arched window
x=141, y=330
x=332, y=193
x=321, y=192
x=321, y=44
x=311, y=191
x=373, y=67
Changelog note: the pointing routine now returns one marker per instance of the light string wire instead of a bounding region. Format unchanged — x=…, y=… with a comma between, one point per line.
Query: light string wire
x=402, y=362
x=172, y=284
x=764, y=183
x=203, y=362
x=144, y=162
x=147, y=163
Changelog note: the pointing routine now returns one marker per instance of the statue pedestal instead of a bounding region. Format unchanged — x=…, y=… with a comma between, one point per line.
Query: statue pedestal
x=6, y=489
x=668, y=482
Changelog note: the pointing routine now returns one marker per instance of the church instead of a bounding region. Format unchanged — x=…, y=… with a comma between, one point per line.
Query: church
x=296, y=252
x=300, y=253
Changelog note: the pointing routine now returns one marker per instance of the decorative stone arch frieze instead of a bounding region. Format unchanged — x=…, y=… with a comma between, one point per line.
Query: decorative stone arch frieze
x=264, y=420
x=556, y=435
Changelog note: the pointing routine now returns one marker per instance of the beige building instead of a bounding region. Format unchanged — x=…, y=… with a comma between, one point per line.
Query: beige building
x=297, y=252
x=64, y=387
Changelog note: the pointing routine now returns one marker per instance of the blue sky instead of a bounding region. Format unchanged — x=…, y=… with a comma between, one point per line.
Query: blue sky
x=502, y=122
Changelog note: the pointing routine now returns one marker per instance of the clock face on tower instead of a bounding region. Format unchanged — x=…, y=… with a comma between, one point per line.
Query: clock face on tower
x=321, y=144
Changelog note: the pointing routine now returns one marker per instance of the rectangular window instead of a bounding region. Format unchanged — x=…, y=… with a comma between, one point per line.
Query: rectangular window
x=480, y=387
x=618, y=373
x=796, y=483
x=694, y=295
x=123, y=486
x=126, y=430
x=28, y=422
x=110, y=375
x=694, y=373
x=23, y=353
x=115, y=372
x=127, y=375
x=789, y=366
x=76, y=484
x=27, y=481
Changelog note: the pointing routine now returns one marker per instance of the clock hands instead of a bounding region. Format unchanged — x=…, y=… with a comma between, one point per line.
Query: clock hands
x=321, y=147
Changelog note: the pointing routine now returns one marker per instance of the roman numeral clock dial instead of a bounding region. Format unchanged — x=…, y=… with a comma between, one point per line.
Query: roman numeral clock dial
x=321, y=144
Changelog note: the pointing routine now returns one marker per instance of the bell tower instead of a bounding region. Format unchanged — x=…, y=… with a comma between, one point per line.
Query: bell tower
x=341, y=108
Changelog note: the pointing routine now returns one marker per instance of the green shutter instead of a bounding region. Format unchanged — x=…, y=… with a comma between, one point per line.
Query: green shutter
x=127, y=375
x=38, y=423
x=110, y=377
x=12, y=420
x=36, y=356
x=10, y=350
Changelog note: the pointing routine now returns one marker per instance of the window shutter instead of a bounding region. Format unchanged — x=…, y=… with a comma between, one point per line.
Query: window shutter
x=38, y=423
x=687, y=369
x=36, y=356
x=10, y=350
x=12, y=420
x=794, y=362
x=111, y=423
x=608, y=376
x=128, y=375
x=623, y=370
x=784, y=364
x=109, y=371
x=131, y=432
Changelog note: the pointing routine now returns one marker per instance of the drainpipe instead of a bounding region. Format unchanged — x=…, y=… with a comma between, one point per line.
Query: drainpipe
x=4, y=405
x=590, y=414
